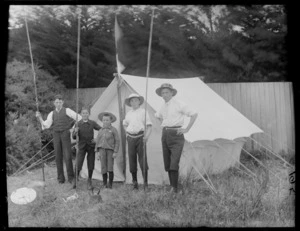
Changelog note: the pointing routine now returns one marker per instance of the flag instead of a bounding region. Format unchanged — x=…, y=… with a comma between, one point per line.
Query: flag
x=118, y=40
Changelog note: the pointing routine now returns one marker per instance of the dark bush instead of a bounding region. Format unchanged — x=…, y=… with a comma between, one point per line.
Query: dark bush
x=24, y=137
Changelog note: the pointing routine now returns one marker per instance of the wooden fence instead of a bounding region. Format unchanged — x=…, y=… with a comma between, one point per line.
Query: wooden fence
x=267, y=104
x=270, y=106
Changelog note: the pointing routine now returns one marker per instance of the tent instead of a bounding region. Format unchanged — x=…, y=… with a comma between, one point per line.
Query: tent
x=212, y=145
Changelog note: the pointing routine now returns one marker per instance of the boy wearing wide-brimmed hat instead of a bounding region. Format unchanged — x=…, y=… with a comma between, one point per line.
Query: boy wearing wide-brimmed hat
x=171, y=115
x=107, y=146
x=134, y=124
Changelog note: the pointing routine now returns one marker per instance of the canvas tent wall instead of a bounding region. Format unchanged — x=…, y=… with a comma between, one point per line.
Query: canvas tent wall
x=213, y=144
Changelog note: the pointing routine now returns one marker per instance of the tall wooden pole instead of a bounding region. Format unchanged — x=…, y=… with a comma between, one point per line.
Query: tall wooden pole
x=77, y=100
x=121, y=116
x=35, y=88
x=146, y=97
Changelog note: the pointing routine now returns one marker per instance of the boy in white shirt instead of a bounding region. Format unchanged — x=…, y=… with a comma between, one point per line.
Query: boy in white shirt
x=61, y=120
x=134, y=124
x=171, y=115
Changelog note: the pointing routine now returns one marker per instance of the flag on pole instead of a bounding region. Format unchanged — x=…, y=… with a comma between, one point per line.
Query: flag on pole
x=118, y=39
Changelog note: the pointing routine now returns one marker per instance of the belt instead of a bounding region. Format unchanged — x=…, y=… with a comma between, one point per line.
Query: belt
x=139, y=134
x=172, y=128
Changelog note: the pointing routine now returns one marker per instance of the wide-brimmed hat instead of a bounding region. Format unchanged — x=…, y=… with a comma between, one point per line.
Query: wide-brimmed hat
x=166, y=85
x=133, y=95
x=112, y=116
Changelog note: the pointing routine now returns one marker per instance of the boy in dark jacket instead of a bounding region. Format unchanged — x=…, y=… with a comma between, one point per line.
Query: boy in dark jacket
x=86, y=144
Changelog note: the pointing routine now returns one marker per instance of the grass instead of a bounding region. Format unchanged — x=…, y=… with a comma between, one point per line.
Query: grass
x=240, y=202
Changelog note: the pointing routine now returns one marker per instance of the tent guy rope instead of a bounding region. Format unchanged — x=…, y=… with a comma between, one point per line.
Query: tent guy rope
x=196, y=169
x=17, y=172
x=278, y=156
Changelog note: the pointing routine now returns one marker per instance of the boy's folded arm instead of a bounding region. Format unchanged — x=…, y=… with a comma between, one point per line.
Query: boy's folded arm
x=117, y=140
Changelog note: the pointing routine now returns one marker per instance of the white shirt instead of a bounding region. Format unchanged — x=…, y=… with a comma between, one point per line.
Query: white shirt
x=172, y=113
x=48, y=122
x=135, y=120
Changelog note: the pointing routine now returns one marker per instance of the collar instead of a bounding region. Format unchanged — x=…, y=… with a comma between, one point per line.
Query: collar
x=88, y=121
x=136, y=109
x=109, y=127
x=170, y=101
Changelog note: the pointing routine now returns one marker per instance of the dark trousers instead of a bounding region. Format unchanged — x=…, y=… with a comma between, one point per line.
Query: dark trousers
x=136, y=151
x=172, y=146
x=62, y=149
x=90, y=157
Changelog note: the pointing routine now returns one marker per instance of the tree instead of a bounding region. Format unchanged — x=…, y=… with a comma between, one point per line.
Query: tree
x=187, y=41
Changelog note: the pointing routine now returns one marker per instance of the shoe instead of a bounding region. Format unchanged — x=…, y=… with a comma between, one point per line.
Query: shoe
x=146, y=185
x=104, y=177
x=61, y=181
x=74, y=184
x=111, y=179
x=174, y=190
x=135, y=185
x=89, y=184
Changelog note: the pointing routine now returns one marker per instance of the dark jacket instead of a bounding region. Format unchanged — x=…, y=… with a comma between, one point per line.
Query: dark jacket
x=86, y=133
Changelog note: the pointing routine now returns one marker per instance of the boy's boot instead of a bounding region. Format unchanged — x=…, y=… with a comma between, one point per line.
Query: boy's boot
x=174, y=178
x=89, y=181
x=111, y=179
x=134, y=180
x=104, y=176
x=170, y=178
x=145, y=176
x=74, y=180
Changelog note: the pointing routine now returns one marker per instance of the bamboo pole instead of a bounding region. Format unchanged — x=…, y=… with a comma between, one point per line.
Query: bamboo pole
x=146, y=97
x=35, y=88
x=121, y=116
x=77, y=86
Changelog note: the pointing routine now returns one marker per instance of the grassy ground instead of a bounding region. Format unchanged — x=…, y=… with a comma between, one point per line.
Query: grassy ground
x=241, y=202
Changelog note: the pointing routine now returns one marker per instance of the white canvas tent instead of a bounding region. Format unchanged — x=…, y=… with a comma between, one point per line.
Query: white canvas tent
x=212, y=145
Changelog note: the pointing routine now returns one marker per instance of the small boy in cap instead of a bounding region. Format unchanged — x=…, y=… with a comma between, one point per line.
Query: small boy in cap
x=134, y=124
x=86, y=144
x=107, y=146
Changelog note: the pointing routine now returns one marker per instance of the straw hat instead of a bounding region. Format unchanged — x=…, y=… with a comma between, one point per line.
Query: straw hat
x=112, y=116
x=133, y=95
x=166, y=85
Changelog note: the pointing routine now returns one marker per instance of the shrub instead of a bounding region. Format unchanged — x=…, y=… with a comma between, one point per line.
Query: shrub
x=23, y=131
x=258, y=154
x=22, y=142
